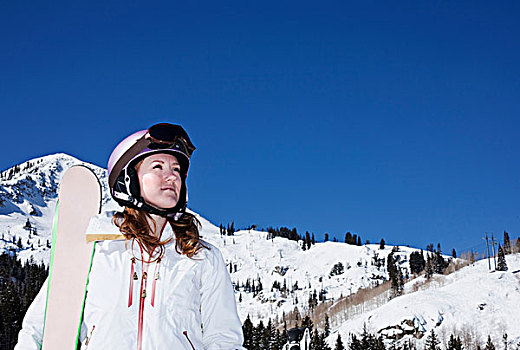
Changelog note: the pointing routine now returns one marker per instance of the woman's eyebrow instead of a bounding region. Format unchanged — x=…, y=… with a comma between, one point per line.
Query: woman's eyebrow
x=160, y=161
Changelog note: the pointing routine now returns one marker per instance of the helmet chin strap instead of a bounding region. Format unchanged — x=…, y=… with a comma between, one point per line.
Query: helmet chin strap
x=172, y=213
x=166, y=213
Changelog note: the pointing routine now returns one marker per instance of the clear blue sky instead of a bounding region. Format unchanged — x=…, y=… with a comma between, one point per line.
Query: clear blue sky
x=397, y=120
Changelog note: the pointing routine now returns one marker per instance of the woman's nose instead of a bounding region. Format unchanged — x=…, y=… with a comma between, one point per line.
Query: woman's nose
x=171, y=175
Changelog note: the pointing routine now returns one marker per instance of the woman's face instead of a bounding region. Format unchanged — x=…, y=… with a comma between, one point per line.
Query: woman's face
x=160, y=180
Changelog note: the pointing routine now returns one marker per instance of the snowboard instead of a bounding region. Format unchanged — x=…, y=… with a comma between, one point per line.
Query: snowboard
x=79, y=198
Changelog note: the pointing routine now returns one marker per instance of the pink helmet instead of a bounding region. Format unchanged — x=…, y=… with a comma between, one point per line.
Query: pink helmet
x=122, y=176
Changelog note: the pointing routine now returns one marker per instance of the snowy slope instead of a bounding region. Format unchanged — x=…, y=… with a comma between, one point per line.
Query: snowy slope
x=473, y=301
x=284, y=261
x=470, y=297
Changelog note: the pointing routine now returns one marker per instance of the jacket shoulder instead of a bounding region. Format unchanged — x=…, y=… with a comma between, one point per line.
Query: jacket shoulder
x=211, y=252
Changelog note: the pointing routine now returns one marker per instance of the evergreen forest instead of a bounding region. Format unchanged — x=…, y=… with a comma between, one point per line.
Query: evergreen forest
x=19, y=284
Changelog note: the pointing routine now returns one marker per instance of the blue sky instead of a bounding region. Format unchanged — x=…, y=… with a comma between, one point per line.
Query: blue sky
x=387, y=120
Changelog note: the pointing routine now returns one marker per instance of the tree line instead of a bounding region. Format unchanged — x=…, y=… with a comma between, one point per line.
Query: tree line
x=19, y=284
x=268, y=337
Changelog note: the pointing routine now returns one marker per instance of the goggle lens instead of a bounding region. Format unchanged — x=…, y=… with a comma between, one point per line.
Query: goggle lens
x=169, y=136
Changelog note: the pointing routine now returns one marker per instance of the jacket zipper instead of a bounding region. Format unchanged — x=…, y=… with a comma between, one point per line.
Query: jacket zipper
x=89, y=337
x=186, y=335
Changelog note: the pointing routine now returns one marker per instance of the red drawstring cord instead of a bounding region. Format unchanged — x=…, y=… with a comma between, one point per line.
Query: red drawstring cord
x=133, y=276
x=155, y=278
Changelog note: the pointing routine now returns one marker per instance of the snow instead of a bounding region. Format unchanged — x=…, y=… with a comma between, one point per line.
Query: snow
x=471, y=300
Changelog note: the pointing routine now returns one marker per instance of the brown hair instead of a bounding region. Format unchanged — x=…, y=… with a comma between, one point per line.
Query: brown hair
x=133, y=224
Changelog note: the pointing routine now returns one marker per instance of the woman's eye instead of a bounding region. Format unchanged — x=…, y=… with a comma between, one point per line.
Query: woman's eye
x=177, y=170
x=157, y=166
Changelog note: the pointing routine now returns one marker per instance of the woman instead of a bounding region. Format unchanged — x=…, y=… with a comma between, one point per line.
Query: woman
x=154, y=284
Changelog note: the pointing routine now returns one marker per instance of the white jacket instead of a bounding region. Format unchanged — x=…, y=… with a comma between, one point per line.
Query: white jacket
x=193, y=302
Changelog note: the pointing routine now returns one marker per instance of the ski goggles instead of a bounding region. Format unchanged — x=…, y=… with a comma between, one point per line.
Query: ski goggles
x=169, y=136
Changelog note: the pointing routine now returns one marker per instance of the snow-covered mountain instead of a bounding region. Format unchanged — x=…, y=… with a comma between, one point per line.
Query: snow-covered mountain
x=470, y=297
x=28, y=195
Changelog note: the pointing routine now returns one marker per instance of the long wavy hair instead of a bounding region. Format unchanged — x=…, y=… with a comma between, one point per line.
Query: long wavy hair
x=133, y=224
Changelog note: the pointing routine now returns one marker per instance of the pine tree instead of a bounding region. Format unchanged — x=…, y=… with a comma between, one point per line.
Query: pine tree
x=417, y=262
x=348, y=238
x=429, y=266
x=355, y=343
x=284, y=337
x=489, y=344
x=359, y=241
x=507, y=243
x=454, y=254
x=326, y=238
x=438, y=260
x=279, y=340
x=339, y=344
x=337, y=269
x=454, y=343
x=432, y=342
x=260, y=341
x=270, y=335
x=395, y=274
x=314, y=338
x=367, y=341
x=408, y=345
x=307, y=323
x=248, y=330
x=382, y=244
x=318, y=341
x=502, y=265
x=400, y=281
x=323, y=343
x=326, y=330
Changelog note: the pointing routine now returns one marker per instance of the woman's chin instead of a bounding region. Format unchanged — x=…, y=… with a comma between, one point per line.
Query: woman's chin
x=164, y=204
